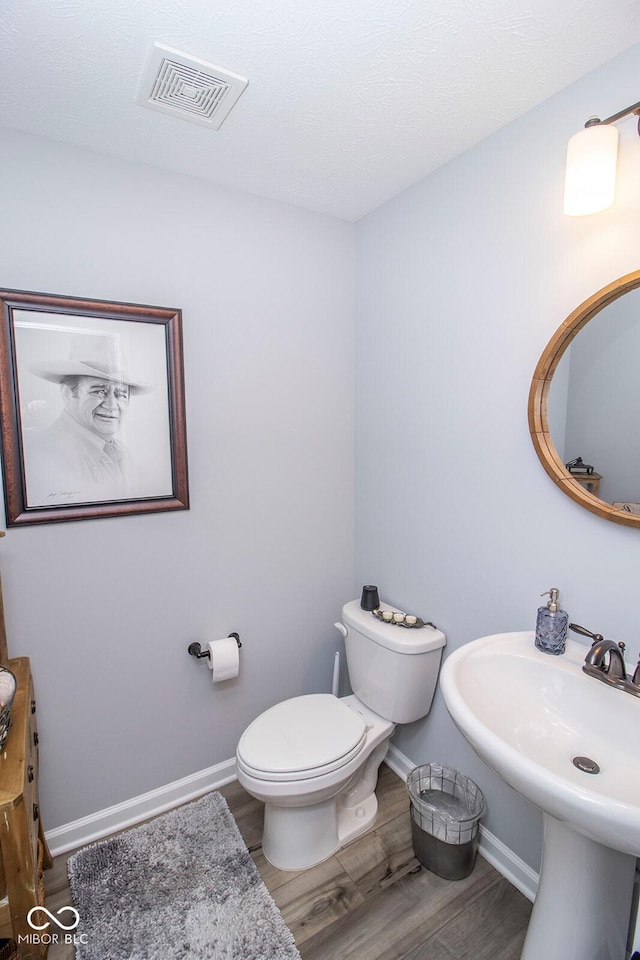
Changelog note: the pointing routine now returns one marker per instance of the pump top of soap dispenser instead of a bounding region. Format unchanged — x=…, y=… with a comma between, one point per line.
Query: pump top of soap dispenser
x=552, y=604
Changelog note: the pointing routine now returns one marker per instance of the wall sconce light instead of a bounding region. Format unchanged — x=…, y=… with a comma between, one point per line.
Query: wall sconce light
x=592, y=155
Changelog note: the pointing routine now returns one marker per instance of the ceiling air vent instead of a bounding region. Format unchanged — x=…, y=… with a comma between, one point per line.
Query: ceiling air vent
x=189, y=88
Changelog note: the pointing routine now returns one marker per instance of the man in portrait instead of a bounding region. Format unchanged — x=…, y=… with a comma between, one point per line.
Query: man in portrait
x=80, y=456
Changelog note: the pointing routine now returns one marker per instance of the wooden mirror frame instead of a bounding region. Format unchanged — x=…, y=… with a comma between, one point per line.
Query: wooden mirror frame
x=539, y=399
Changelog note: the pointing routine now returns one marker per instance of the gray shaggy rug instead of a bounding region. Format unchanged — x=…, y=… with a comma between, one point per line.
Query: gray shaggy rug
x=182, y=886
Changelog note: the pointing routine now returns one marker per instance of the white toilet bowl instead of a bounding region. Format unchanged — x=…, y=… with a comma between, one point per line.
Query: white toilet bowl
x=313, y=761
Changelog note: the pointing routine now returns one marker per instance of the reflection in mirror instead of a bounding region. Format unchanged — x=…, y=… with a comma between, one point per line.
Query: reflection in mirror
x=584, y=403
x=594, y=401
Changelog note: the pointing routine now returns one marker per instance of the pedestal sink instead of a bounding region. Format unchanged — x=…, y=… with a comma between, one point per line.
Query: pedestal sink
x=571, y=745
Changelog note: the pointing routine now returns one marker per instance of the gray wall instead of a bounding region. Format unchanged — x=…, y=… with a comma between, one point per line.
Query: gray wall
x=462, y=281
x=106, y=608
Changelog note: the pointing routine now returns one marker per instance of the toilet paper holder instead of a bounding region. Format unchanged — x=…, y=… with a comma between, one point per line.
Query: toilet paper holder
x=195, y=650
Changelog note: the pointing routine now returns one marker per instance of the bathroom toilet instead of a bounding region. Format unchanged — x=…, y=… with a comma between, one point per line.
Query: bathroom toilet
x=313, y=760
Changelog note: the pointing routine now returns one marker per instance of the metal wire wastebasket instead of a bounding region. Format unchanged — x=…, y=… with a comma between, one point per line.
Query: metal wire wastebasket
x=446, y=809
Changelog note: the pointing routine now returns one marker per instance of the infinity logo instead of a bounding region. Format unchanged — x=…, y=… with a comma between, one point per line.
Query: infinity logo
x=43, y=926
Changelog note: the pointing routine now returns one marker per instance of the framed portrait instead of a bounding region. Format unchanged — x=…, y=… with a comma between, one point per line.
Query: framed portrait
x=92, y=408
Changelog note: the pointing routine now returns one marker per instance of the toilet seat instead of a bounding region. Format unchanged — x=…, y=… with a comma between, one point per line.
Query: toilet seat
x=301, y=738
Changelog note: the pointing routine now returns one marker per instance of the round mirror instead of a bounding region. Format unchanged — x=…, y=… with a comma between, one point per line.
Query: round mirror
x=584, y=401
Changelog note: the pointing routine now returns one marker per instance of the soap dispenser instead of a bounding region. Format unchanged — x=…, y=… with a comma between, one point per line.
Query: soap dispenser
x=551, y=625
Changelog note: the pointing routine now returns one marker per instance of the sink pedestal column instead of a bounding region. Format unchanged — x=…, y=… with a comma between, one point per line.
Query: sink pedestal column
x=583, y=904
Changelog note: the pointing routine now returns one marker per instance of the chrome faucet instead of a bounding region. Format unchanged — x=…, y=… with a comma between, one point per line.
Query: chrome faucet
x=605, y=661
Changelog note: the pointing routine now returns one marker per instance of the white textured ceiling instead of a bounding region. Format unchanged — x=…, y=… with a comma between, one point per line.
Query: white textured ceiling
x=348, y=103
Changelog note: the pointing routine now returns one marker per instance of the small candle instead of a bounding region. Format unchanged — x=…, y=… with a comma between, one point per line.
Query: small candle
x=398, y=617
x=410, y=619
x=387, y=615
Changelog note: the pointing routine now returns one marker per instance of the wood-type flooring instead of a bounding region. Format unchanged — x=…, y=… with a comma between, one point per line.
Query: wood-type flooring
x=372, y=900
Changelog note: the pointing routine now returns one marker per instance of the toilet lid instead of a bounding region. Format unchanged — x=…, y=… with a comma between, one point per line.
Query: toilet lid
x=314, y=733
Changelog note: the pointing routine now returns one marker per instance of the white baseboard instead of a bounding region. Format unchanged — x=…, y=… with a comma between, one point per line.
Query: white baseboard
x=495, y=851
x=126, y=814
x=397, y=761
x=508, y=864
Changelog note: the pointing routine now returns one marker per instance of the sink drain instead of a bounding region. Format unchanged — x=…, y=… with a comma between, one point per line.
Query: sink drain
x=586, y=764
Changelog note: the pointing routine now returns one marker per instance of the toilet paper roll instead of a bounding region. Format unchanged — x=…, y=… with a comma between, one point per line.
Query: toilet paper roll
x=224, y=659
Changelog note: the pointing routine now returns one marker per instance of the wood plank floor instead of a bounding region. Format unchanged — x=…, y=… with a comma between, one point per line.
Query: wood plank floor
x=372, y=900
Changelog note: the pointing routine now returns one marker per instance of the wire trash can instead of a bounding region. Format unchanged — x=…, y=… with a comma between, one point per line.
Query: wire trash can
x=446, y=809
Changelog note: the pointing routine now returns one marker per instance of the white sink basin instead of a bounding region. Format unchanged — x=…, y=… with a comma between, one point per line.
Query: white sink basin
x=528, y=714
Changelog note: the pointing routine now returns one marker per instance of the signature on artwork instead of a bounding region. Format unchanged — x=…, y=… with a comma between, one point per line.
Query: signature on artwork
x=62, y=495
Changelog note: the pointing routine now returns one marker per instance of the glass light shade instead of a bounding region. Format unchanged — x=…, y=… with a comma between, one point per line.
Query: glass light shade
x=590, y=179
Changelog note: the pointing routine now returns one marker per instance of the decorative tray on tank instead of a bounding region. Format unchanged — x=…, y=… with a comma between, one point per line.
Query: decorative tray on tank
x=397, y=619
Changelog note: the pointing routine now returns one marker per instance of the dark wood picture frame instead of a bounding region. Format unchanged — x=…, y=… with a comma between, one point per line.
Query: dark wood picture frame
x=44, y=340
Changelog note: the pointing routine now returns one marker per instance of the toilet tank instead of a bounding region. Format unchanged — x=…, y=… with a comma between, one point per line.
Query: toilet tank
x=392, y=669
